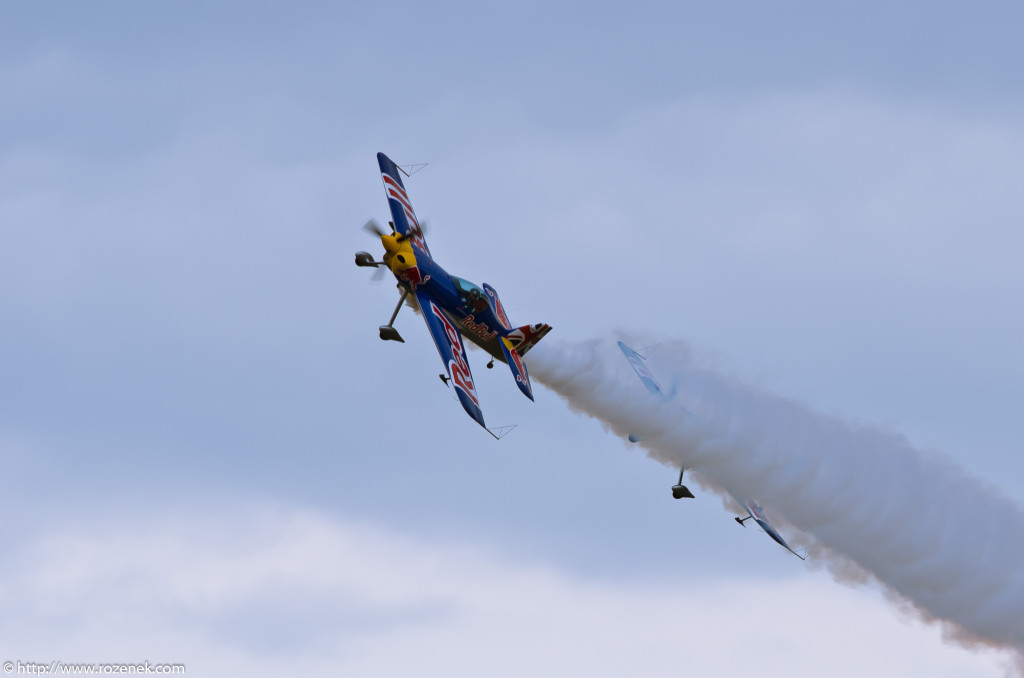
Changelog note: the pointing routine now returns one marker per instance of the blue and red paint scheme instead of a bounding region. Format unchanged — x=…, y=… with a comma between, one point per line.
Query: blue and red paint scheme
x=452, y=307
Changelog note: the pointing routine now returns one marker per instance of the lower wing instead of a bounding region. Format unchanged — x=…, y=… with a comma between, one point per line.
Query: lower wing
x=449, y=344
x=754, y=511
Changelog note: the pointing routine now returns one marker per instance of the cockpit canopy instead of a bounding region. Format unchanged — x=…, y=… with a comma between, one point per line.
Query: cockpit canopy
x=471, y=296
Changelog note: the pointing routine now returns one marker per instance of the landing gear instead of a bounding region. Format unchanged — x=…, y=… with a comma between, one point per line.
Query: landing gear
x=679, y=490
x=388, y=332
x=490, y=365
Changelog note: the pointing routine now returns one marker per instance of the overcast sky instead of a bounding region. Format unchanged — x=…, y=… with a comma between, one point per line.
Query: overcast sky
x=211, y=459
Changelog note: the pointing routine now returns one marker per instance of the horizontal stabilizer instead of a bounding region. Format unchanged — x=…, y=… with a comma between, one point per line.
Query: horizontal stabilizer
x=517, y=366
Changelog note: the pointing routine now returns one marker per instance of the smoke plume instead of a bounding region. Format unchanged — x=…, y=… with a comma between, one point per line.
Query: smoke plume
x=943, y=543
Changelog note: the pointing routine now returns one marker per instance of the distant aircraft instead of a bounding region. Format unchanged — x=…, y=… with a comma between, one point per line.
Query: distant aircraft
x=451, y=306
x=680, y=491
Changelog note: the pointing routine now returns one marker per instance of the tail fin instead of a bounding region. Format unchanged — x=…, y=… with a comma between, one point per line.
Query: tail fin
x=402, y=213
x=523, y=338
x=516, y=342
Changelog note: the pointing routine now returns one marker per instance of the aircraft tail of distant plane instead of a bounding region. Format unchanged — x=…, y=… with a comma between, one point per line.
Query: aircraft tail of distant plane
x=402, y=215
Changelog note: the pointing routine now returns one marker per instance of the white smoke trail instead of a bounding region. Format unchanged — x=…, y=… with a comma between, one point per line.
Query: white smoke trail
x=945, y=542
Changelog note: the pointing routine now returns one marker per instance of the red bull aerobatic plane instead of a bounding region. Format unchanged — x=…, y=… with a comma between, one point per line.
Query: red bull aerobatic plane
x=451, y=306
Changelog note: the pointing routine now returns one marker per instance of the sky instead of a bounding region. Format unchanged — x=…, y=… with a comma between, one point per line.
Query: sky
x=211, y=459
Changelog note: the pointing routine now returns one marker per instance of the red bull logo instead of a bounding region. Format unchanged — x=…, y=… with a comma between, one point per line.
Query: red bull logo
x=457, y=366
x=478, y=329
x=412, y=276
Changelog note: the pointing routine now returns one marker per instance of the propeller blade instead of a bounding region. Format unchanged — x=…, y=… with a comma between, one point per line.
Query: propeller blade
x=378, y=275
x=413, y=231
x=374, y=228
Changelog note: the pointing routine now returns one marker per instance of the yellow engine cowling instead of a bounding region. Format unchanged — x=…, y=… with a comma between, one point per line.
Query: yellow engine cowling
x=398, y=254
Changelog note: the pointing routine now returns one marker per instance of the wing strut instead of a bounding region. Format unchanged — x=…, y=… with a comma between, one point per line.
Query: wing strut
x=413, y=168
x=500, y=432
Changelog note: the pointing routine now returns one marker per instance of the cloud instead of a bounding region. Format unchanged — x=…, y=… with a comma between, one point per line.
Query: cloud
x=265, y=591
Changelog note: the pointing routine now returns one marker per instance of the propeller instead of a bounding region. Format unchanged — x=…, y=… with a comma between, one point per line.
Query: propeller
x=374, y=228
x=365, y=259
x=413, y=231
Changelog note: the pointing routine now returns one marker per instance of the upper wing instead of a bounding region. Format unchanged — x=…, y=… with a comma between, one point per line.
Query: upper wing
x=637, y=363
x=402, y=213
x=453, y=354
